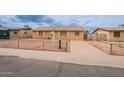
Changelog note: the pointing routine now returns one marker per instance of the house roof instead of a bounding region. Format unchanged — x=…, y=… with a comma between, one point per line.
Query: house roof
x=59, y=29
x=112, y=29
x=2, y=28
x=18, y=29
x=43, y=28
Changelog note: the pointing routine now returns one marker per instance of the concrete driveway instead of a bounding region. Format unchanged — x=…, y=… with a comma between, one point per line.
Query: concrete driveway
x=84, y=53
x=20, y=67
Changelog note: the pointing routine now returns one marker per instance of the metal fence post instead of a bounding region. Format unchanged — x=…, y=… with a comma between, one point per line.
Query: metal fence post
x=43, y=44
x=66, y=46
x=110, y=48
x=18, y=43
x=60, y=44
x=119, y=44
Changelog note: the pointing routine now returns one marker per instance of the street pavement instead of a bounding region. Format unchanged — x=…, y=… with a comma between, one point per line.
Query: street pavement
x=14, y=66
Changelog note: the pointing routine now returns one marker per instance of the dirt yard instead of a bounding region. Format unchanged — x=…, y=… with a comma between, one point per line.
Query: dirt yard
x=35, y=44
x=117, y=48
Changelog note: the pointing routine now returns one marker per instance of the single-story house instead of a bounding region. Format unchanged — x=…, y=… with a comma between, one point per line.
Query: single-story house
x=10, y=33
x=4, y=33
x=20, y=33
x=64, y=33
x=113, y=34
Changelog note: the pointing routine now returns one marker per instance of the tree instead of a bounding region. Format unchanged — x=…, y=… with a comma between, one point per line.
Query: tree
x=0, y=25
x=121, y=25
x=26, y=26
x=86, y=34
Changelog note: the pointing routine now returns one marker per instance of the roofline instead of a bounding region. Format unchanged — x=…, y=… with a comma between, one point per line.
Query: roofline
x=18, y=29
x=106, y=30
x=56, y=30
x=57, y=27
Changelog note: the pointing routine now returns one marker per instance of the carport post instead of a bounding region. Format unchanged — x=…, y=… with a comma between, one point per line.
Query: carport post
x=110, y=48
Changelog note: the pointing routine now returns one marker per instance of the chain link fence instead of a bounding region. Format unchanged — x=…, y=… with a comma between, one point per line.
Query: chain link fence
x=111, y=48
x=36, y=44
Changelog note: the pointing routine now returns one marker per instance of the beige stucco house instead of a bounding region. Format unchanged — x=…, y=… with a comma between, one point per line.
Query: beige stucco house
x=64, y=33
x=20, y=33
x=115, y=34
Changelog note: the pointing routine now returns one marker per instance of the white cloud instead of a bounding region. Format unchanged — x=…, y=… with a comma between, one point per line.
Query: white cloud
x=77, y=20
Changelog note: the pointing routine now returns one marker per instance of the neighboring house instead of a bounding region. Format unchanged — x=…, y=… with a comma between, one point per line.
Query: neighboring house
x=64, y=33
x=115, y=34
x=4, y=33
x=20, y=33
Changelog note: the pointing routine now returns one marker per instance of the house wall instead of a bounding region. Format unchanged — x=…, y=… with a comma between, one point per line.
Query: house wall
x=110, y=36
x=70, y=35
x=12, y=35
x=118, y=39
x=46, y=35
x=21, y=34
x=100, y=35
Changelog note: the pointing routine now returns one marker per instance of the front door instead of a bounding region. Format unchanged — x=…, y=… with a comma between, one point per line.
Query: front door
x=52, y=35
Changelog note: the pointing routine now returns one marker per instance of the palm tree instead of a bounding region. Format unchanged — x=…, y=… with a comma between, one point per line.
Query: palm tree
x=26, y=26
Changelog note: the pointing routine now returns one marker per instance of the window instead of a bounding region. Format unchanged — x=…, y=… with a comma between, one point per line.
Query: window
x=64, y=33
x=116, y=34
x=76, y=33
x=25, y=32
x=40, y=33
x=15, y=33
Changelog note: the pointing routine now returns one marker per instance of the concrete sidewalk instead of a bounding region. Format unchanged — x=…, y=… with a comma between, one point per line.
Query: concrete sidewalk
x=80, y=53
x=40, y=55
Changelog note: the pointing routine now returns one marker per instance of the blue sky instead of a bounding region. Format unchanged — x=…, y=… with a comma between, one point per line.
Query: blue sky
x=87, y=21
